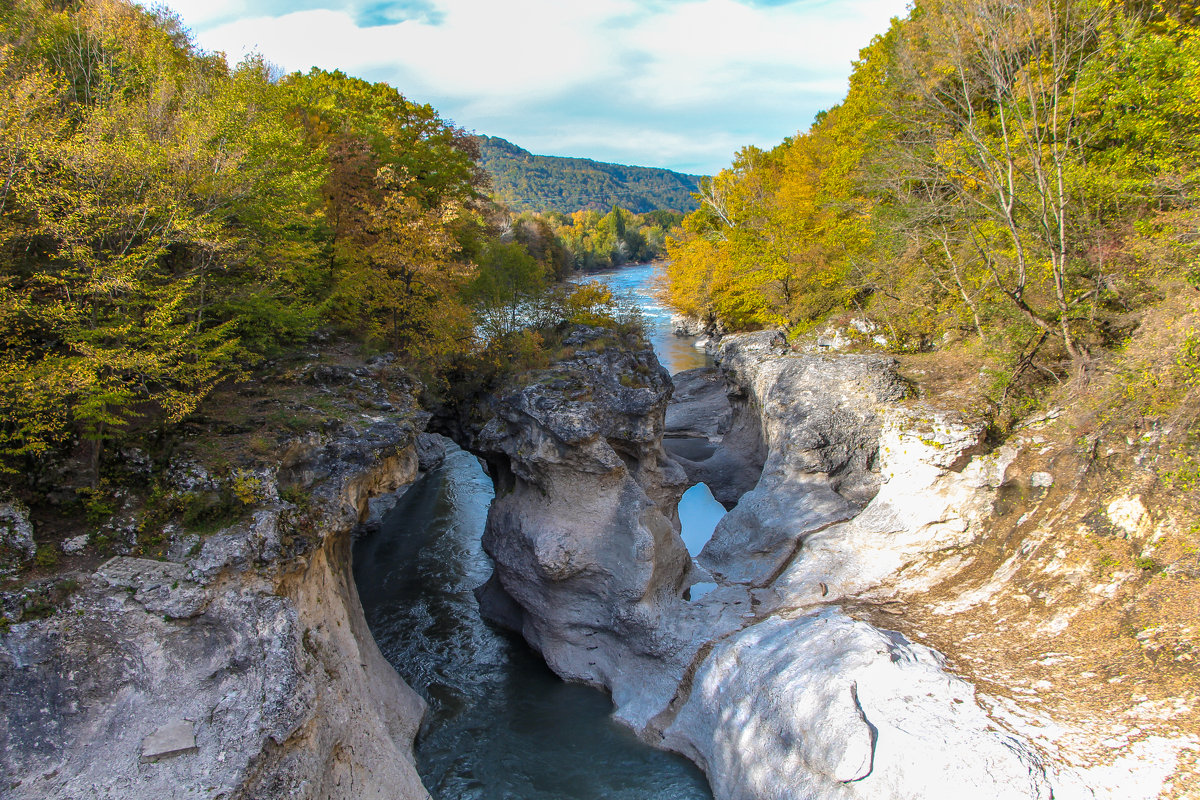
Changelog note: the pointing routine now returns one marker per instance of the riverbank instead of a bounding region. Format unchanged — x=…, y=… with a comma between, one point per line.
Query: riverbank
x=897, y=604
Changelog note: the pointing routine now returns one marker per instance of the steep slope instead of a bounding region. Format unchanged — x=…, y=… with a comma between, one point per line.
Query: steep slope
x=240, y=664
x=526, y=182
x=769, y=685
x=877, y=629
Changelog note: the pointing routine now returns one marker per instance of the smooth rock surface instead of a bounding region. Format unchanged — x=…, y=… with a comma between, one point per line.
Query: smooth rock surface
x=820, y=420
x=823, y=706
x=800, y=699
x=699, y=407
x=705, y=408
x=582, y=529
x=178, y=736
x=764, y=681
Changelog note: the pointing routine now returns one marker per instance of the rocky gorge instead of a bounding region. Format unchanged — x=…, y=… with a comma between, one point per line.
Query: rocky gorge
x=239, y=665
x=864, y=519
x=867, y=635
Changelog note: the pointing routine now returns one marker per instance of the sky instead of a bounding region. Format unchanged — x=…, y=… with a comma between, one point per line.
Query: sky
x=682, y=84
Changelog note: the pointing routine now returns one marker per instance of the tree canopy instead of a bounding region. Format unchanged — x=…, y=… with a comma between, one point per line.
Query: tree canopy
x=1024, y=173
x=167, y=219
x=525, y=182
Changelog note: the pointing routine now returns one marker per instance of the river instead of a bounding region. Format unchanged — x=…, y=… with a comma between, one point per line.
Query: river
x=676, y=353
x=500, y=725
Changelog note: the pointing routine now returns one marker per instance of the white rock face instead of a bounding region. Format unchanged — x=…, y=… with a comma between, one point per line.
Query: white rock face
x=75, y=544
x=1041, y=480
x=16, y=537
x=582, y=529
x=1128, y=514
x=765, y=682
x=822, y=706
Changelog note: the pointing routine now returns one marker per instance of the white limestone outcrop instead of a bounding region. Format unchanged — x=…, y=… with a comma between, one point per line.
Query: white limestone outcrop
x=767, y=682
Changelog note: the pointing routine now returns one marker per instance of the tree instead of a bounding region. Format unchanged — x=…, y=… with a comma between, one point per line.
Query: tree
x=509, y=279
x=996, y=87
x=404, y=290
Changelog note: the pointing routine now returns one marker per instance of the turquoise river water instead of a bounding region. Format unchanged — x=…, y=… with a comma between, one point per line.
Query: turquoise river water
x=500, y=725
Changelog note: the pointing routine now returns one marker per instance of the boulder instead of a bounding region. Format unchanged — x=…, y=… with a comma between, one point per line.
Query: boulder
x=712, y=434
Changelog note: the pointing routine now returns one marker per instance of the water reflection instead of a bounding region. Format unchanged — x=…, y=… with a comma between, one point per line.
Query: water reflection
x=500, y=724
x=699, y=514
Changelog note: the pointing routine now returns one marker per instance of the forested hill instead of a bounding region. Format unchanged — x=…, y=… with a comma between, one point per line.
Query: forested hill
x=526, y=182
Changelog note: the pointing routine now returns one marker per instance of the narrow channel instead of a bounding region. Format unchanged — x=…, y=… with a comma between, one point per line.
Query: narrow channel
x=501, y=725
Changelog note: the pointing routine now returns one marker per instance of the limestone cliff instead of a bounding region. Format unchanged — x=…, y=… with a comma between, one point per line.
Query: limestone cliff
x=790, y=679
x=241, y=665
x=583, y=530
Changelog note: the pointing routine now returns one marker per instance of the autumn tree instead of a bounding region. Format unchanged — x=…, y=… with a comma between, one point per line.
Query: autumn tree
x=166, y=219
x=508, y=280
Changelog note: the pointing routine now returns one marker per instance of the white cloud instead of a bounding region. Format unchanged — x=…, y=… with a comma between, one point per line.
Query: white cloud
x=199, y=13
x=657, y=82
x=719, y=48
x=654, y=145
x=479, y=51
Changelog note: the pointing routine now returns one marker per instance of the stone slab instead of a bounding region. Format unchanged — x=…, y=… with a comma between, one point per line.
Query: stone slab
x=172, y=739
x=140, y=573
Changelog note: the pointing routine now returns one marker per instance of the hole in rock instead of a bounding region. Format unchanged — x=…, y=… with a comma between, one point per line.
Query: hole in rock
x=689, y=447
x=699, y=514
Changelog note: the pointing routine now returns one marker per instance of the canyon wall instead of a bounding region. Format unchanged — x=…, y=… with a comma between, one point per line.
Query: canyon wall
x=238, y=667
x=791, y=678
x=902, y=607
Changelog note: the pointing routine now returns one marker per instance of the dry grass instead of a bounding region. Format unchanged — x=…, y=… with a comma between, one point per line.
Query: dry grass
x=1092, y=644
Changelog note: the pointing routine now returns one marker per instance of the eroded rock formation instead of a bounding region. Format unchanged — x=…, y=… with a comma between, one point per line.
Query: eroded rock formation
x=780, y=683
x=869, y=537
x=241, y=667
x=702, y=415
x=582, y=530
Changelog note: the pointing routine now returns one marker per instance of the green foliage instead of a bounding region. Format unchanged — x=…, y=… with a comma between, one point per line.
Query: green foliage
x=526, y=182
x=297, y=496
x=595, y=241
x=98, y=504
x=1184, y=476
x=1147, y=564
x=1157, y=385
x=509, y=278
x=246, y=487
x=167, y=219
x=207, y=512
x=591, y=303
x=1024, y=174
x=465, y=382
x=46, y=556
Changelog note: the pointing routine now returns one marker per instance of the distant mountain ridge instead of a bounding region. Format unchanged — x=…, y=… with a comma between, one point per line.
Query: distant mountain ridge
x=527, y=182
